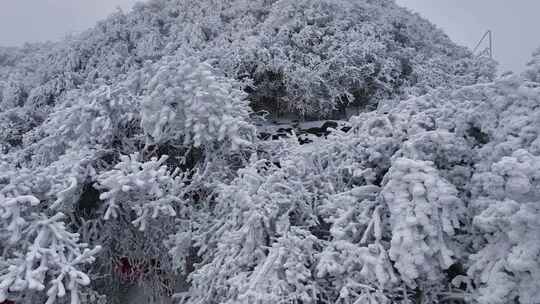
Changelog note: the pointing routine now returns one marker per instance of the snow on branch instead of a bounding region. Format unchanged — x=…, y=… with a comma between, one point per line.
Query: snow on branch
x=424, y=214
x=147, y=188
x=187, y=100
x=42, y=254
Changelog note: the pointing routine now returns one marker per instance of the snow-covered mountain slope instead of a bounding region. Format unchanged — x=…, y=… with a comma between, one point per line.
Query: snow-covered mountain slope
x=306, y=57
x=131, y=159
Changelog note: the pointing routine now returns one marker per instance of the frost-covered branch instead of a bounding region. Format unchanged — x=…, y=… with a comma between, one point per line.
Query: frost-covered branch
x=147, y=188
x=41, y=254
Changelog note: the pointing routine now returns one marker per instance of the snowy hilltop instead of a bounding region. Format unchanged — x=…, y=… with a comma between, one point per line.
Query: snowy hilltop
x=135, y=166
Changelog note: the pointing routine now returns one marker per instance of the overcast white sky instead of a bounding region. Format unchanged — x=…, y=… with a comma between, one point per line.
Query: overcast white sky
x=42, y=20
x=514, y=22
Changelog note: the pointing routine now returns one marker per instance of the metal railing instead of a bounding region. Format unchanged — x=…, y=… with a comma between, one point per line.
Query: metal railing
x=488, y=50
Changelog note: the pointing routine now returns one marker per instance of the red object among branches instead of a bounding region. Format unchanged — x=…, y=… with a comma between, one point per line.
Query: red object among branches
x=7, y=302
x=128, y=270
x=131, y=270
